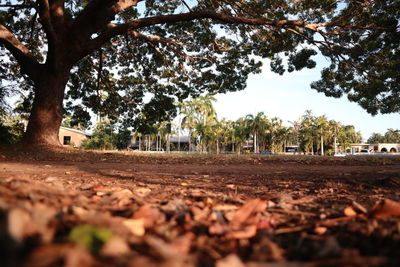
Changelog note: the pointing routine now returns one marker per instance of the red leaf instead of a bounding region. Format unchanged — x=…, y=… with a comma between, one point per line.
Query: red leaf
x=385, y=208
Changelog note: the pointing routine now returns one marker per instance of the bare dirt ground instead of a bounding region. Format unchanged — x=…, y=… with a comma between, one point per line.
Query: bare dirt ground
x=70, y=208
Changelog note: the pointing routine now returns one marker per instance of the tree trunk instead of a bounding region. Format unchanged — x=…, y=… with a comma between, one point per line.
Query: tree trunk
x=47, y=110
x=322, y=145
x=255, y=142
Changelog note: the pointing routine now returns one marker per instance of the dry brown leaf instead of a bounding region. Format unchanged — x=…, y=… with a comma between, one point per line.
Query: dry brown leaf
x=149, y=215
x=349, y=211
x=320, y=230
x=225, y=207
x=167, y=251
x=142, y=191
x=385, y=208
x=115, y=247
x=122, y=194
x=247, y=232
x=182, y=244
x=52, y=255
x=19, y=224
x=136, y=227
x=218, y=229
x=247, y=210
x=231, y=260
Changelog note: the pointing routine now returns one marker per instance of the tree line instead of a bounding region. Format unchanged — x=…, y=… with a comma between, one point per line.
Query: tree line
x=198, y=121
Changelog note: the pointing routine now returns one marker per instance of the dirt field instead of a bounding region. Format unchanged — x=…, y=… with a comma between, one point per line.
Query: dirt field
x=69, y=208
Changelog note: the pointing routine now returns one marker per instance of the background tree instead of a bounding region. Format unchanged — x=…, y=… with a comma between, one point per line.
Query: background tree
x=308, y=132
x=113, y=53
x=103, y=137
x=11, y=127
x=391, y=136
x=348, y=135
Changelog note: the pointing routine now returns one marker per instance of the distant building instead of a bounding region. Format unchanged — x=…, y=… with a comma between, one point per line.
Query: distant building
x=69, y=136
x=375, y=148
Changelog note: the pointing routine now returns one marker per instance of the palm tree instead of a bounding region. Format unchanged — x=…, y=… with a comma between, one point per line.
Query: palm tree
x=392, y=136
x=348, y=135
x=335, y=128
x=256, y=125
x=199, y=116
x=241, y=133
x=189, y=120
x=308, y=131
x=322, y=125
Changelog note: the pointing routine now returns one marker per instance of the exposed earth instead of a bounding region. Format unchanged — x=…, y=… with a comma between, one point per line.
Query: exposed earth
x=71, y=207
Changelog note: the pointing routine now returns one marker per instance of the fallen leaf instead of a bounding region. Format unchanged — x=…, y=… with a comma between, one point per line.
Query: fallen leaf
x=90, y=237
x=349, y=211
x=247, y=232
x=231, y=260
x=149, y=215
x=19, y=224
x=136, y=227
x=320, y=230
x=183, y=243
x=115, y=247
x=231, y=186
x=164, y=249
x=385, y=208
x=218, y=229
x=52, y=255
x=225, y=207
x=142, y=191
x=122, y=194
x=247, y=210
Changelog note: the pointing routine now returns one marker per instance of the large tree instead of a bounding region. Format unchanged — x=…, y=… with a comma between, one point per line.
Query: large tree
x=105, y=56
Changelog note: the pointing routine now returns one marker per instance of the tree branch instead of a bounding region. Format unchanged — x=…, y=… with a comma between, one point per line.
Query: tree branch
x=16, y=6
x=96, y=15
x=28, y=63
x=45, y=20
x=118, y=29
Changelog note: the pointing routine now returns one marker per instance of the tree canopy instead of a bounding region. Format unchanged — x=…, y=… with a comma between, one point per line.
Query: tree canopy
x=119, y=58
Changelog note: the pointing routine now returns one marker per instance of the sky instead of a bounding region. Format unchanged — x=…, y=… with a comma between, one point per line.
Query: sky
x=289, y=96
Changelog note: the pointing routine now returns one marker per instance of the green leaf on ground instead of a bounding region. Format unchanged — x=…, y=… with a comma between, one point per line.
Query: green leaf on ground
x=91, y=237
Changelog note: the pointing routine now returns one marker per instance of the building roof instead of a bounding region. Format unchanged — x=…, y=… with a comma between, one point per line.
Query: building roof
x=181, y=139
x=75, y=131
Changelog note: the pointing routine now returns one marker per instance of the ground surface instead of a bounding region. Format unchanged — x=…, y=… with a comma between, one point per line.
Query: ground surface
x=105, y=209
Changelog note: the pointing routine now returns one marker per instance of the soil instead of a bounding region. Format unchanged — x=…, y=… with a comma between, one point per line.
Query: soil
x=71, y=207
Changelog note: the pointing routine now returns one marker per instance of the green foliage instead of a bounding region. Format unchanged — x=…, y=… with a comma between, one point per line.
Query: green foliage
x=103, y=137
x=391, y=136
x=365, y=63
x=10, y=134
x=122, y=138
x=11, y=129
x=90, y=237
x=107, y=137
x=211, y=134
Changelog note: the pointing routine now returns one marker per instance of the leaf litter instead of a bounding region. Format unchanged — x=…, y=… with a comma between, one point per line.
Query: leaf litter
x=89, y=219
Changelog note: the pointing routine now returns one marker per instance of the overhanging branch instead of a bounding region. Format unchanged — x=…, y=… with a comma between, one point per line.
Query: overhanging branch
x=28, y=63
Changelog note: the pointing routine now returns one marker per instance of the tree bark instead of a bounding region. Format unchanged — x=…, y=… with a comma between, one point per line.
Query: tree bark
x=47, y=110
